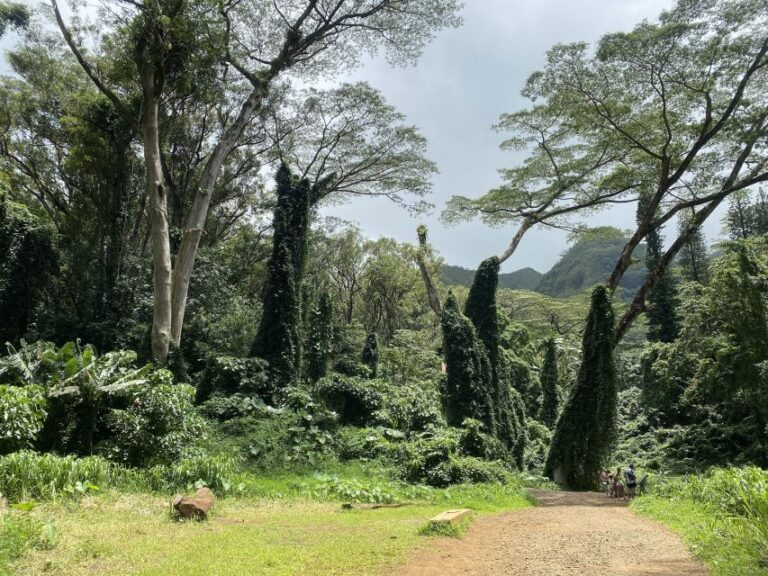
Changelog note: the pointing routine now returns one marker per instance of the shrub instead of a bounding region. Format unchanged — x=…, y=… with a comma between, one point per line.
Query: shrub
x=365, y=444
x=466, y=470
x=475, y=442
x=159, y=425
x=422, y=455
x=228, y=375
x=354, y=399
x=223, y=408
x=412, y=407
x=22, y=413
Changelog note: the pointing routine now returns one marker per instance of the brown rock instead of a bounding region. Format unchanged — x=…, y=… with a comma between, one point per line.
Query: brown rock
x=196, y=506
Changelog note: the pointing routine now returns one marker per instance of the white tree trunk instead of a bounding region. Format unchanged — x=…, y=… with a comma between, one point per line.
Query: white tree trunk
x=158, y=221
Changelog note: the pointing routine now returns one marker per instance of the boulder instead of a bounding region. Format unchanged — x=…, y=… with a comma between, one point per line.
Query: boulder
x=196, y=506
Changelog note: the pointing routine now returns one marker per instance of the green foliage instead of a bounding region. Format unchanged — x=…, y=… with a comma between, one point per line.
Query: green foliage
x=474, y=441
x=745, y=218
x=371, y=353
x=22, y=414
x=101, y=403
x=31, y=476
x=28, y=259
x=539, y=437
x=13, y=15
x=160, y=424
x=586, y=430
x=468, y=392
x=228, y=375
x=320, y=337
x=354, y=399
x=444, y=529
x=661, y=312
x=693, y=257
x=278, y=340
x=20, y=532
x=413, y=407
x=550, y=387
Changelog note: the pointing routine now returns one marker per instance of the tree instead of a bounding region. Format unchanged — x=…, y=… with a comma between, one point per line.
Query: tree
x=240, y=49
x=587, y=426
x=320, y=337
x=550, y=405
x=694, y=259
x=508, y=404
x=350, y=131
x=28, y=259
x=745, y=218
x=12, y=15
x=278, y=340
x=468, y=392
x=661, y=312
x=371, y=354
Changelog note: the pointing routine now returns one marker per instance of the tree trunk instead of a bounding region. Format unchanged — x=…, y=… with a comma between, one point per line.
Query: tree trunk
x=158, y=219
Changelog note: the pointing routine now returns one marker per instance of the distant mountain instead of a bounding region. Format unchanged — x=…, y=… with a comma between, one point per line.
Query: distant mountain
x=589, y=261
x=523, y=279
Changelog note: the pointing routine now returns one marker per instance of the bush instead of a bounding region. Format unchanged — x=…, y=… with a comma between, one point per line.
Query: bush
x=228, y=375
x=418, y=457
x=475, y=442
x=354, y=399
x=159, y=425
x=539, y=437
x=223, y=408
x=410, y=408
x=22, y=413
x=366, y=443
x=467, y=470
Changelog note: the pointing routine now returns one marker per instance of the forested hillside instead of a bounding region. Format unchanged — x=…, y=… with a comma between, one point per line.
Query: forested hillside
x=523, y=279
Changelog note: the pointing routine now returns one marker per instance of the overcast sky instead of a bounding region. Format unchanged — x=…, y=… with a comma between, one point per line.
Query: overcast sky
x=466, y=78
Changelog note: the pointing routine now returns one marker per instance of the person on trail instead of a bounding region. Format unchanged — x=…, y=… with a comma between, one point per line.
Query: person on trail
x=605, y=482
x=631, y=478
x=618, y=485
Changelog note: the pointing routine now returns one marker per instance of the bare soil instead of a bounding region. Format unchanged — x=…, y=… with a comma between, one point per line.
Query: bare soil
x=567, y=534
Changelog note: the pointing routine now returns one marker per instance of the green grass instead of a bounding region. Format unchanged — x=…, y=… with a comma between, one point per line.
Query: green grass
x=304, y=531
x=722, y=542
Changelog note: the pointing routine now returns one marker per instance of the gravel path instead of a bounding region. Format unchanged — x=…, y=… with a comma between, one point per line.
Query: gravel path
x=568, y=534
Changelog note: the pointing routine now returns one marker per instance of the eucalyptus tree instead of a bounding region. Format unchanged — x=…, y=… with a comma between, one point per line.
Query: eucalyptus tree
x=231, y=52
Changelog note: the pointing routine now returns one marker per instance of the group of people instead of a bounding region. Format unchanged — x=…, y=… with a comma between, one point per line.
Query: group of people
x=621, y=484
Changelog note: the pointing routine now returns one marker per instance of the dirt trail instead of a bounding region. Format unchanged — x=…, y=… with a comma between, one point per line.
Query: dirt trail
x=568, y=534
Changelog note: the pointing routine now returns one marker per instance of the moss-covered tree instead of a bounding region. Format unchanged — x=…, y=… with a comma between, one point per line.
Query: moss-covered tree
x=320, y=337
x=467, y=392
x=508, y=406
x=587, y=427
x=550, y=403
x=371, y=354
x=278, y=340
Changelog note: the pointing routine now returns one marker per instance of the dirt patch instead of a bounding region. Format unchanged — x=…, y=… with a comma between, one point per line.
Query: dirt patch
x=568, y=534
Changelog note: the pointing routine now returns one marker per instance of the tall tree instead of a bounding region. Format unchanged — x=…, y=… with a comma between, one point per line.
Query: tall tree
x=661, y=310
x=550, y=404
x=694, y=257
x=320, y=337
x=241, y=49
x=586, y=429
x=468, y=392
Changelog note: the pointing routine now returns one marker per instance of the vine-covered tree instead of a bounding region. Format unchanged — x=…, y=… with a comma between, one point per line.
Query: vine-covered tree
x=278, y=340
x=587, y=426
x=371, y=354
x=320, y=337
x=550, y=387
x=480, y=308
x=468, y=392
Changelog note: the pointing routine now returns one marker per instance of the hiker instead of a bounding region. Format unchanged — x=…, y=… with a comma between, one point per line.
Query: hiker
x=631, y=478
x=618, y=485
x=605, y=482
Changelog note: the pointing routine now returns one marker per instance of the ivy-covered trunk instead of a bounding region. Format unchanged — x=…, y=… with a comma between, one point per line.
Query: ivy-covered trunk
x=587, y=427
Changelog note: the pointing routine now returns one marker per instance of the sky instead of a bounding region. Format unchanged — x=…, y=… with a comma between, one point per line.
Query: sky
x=466, y=78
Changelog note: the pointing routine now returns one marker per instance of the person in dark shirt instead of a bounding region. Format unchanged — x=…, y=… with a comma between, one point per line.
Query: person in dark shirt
x=631, y=478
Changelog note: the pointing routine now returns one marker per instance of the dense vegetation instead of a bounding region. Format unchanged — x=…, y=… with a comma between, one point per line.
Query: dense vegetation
x=176, y=313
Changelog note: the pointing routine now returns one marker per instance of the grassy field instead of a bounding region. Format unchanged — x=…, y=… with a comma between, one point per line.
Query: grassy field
x=119, y=534
x=721, y=542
